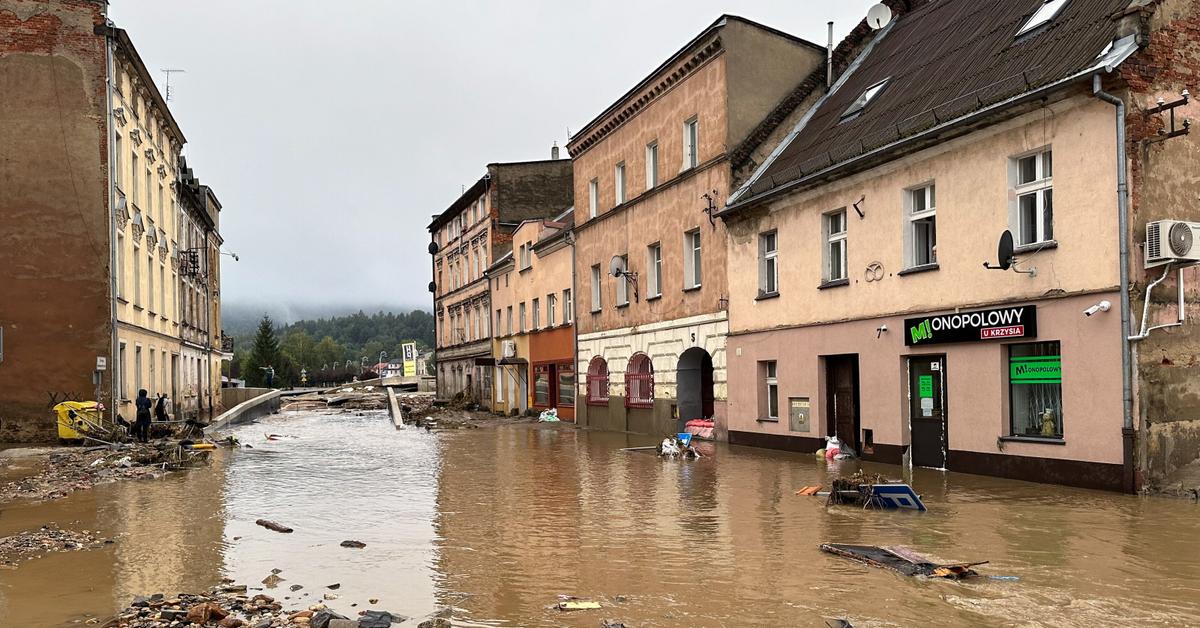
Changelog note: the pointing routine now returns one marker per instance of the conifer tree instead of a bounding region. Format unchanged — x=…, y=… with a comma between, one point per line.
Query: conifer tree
x=264, y=354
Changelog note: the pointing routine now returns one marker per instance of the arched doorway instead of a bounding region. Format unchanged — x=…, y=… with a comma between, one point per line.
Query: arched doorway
x=694, y=384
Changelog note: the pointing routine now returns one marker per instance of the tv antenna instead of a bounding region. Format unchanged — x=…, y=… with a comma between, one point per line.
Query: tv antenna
x=1005, y=257
x=167, y=87
x=879, y=16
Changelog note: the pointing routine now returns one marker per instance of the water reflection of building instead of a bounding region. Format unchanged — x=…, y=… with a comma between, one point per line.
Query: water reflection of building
x=170, y=532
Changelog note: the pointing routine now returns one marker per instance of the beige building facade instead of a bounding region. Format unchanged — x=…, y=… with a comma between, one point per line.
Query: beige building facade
x=650, y=272
x=533, y=320
x=467, y=238
x=946, y=271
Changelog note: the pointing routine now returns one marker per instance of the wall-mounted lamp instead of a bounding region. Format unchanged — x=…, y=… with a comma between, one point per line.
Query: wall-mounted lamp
x=880, y=330
x=858, y=210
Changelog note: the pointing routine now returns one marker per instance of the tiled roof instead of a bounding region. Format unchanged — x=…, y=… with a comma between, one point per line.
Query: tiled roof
x=943, y=61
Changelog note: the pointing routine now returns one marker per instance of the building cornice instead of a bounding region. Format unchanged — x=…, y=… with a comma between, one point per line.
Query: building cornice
x=643, y=94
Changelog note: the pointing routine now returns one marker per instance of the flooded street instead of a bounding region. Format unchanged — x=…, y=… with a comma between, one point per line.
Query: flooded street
x=499, y=522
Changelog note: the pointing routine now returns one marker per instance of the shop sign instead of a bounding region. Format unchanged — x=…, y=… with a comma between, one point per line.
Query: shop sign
x=1046, y=369
x=1000, y=323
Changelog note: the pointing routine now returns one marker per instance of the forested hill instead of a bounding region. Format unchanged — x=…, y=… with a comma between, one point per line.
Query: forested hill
x=313, y=344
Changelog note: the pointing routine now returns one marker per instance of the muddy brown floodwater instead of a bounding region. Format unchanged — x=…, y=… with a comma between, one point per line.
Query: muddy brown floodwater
x=499, y=522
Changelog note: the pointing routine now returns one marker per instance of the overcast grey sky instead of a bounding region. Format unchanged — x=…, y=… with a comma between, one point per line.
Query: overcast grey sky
x=332, y=131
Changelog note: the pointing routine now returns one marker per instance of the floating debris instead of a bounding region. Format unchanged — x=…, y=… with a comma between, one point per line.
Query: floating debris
x=277, y=527
x=902, y=561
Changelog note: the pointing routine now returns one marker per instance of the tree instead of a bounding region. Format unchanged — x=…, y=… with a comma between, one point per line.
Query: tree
x=264, y=353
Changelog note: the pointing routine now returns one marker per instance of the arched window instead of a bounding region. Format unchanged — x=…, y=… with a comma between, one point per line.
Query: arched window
x=639, y=382
x=597, y=382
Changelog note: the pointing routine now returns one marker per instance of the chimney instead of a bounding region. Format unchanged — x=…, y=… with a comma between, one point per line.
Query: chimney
x=829, y=60
x=554, y=151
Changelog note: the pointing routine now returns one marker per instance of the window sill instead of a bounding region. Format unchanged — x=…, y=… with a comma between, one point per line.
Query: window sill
x=521, y=271
x=837, y=283
x=768, y=420
x=123, y=301
x=621, y=306
x=1043, y=440
x=654, y=297
x=596, y=311
x=1035, y=247
x=923, y=268
x=138, y=307
x=763, y=296
x=692, y=288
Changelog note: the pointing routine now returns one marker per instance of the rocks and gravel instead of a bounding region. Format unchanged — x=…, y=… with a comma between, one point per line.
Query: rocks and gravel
x=65, y=470
x=230, y=606
x=48, y=538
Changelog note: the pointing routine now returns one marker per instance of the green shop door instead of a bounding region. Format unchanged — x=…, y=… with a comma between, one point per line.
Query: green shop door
x=927, y=421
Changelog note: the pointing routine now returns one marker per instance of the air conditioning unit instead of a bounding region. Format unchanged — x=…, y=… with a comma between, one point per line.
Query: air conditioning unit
x=508, y=349
x=1169, y=241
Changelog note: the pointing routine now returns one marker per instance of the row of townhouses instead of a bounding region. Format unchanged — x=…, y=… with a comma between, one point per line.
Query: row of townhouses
x=110, y=248
x=946, y=239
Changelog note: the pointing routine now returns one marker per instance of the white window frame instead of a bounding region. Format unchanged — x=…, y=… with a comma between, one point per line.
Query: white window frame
x=551, y=313
x=121, y=266
x=536, y=321
x=920, y=204
x=691, y=143
x=593, y=197
x=137, y=275
x=596, y=285
x=864, y=99
x=1040, y=189
x=568, y=307
x=521, y=317
x=771, y=380
x=1048, y=11
x=654, y=264
x=509, y=327
x=623, y=284
x=619, y=183
x=652, y=165
x=768, y=263
x=693, y=260
x=835, y=240
x=123, y=372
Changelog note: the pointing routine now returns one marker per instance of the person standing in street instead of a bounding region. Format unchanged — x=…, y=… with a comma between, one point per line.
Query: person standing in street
x=160, y=408
x=141, y=428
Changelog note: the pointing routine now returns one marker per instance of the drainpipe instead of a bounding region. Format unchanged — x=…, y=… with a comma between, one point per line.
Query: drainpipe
x=113, y=278
x=1127, y=432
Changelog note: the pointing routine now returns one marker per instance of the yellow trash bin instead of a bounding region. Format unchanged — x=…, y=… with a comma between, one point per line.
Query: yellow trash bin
x=79, y=418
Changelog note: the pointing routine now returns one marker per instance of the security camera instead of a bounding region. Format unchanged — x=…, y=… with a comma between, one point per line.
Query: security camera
x=1099, y=307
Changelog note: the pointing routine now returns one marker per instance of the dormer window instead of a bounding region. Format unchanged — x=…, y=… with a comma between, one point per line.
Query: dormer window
x=864, y=99
x=1045, y=13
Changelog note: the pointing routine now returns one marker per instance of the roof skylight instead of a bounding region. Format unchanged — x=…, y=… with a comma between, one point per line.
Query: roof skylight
x=864, y=99
x=1045, y=13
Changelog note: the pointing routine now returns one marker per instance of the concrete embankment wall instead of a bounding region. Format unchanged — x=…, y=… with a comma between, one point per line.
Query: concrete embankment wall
x=394, y=408
x=262, y=405
x=233, y=396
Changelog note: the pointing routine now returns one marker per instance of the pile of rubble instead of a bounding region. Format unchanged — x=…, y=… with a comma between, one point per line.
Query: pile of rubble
x=66, y=470
x=231, y=606
x=49, y=538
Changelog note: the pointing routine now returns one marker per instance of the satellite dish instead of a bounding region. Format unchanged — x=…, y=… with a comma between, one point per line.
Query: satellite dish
x=1004, y=250
x=1004, y=253
x=879, y=16
x=617, y=266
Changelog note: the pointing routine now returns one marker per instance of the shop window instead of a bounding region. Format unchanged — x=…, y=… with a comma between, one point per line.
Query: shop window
x=597, y=382
x=541, y=385
x=566, y=384
x=639, y=382
x=1035, y=389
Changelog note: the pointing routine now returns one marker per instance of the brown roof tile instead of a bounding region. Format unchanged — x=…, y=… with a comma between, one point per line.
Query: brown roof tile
x=944, y=60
